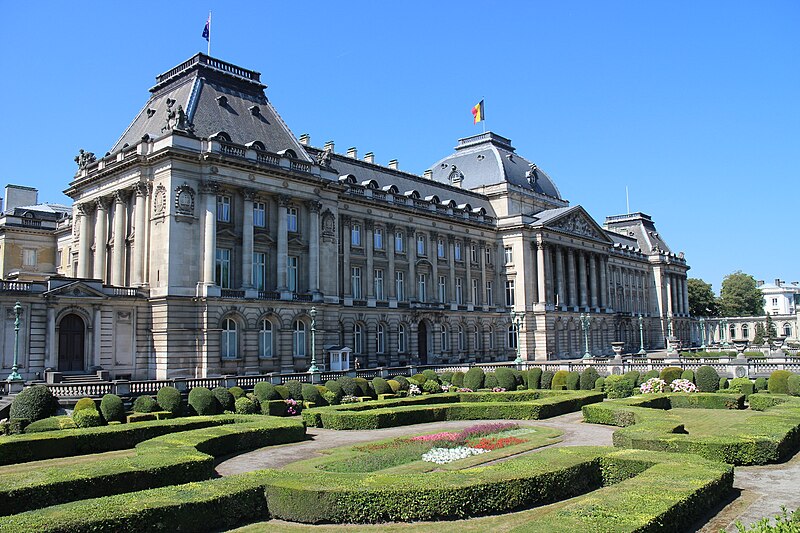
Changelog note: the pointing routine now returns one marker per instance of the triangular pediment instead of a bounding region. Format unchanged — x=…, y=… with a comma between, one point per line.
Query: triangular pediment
x=76, y=289
x=573, y=221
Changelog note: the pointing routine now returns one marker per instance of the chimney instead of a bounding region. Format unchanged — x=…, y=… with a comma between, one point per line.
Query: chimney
x=19, y=195
x=428, y=174
x=393, y=164
x=778, y=282
x=352, y=152
x=329, y=146
x=369, y=157
x=305, y=139
x=759, y=283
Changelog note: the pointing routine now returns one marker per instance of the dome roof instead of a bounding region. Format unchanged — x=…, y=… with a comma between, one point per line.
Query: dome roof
x=488, y=158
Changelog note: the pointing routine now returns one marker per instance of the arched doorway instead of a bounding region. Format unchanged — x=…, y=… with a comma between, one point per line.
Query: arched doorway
x=71, y=334
x=422, y=342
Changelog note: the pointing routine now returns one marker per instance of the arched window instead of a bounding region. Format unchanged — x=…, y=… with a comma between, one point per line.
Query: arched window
x=401, y=338
x=230, y=341
x=512, y=337
x=787, y=330
x=265, y=339
x=732, y=329
x=358, y=339
x=462, y=339
x=476, y=338
x=745, y=332
x=380, y=346
x=299, y=338
x=491, y=338
x=444, y=335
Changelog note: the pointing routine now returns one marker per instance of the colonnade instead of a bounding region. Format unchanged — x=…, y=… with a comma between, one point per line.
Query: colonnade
x=571, y=277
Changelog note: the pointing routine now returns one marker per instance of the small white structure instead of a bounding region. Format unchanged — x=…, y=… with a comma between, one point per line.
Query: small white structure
x=339, y=357
x=779, y=298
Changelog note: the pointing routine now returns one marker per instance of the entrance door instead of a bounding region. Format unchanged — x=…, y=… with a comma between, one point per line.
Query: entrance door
x=70, y=344
x=422, y=342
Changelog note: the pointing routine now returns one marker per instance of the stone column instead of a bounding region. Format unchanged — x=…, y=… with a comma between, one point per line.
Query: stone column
x=573, y=286
x=140, y=231
x=100, y=238
x=51, y=357
x=670, y=289
x=685, y=294
x=411, y=282
x=118, y=252
x=482, y=260
x=347, y=292
x=283, y=244
x=84, y=244
x=369, y=230
x=468, y=265
x=247, y=238
x=548, y=270
x=96, y=337
x=313, y=249
x=434, y=257
x=560, y=275
x=499, y=286
x=541, y=274
x=209, y=190
x=603, y=282
x=390, y=244
x=593, y=280
x=451, y=243
x=582, y=279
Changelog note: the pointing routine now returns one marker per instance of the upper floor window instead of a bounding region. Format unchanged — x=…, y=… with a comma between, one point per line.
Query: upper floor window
x=442, y=289
x=223, y=208
x=223, y=268
x=421, y=287
x=401, y=338
x=378, y=238
x=380, y=339
x=265, y=339
x=299, y=338
x=355, y=279
x=291, y=272
x=229, y=339
x=421, y=245
x=473, y=253
x=489, y=293
x=259, y=270
x=259, y=214
x=355, y=235
x=487, y=252
x=459, y=291
x=29, y=257
x=399, y=242
x=475, y=293
x=358, y=339
x=457, y=251
x=291, y=219
x=508, y=252
x=440, y=248
x=378, y=280
x=510, y=293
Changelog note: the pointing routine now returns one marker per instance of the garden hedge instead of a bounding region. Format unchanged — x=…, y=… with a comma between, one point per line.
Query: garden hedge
x=589, y=377
x=34, y=403
x=474, y=378
x=778, y=382
x=112, y=408
x=170, y=459
x=707, y=379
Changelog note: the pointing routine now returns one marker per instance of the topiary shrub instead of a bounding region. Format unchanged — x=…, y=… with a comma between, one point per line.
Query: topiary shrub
x=707, y=379
x=310, y=393
x=432, y=387
x=618, y=387
x=521, y=376
x=635, y=377
x=145, y=404
x=647, y=375
x=225, y=398
x=474, y=378
x=589, y=377
x=53, y=423
x=559, y=380
x=723, y=383
x=535, y=378
x=170, y=399
x=204, y=402
x=743, y=385
x=394, y=385
x=458, y=379
x=381, y=386
x=349, y=387
x=688, y=375
x=34, y=403
x=331, y=398
x=420, y=378
x=112, y=408
x=283, y=392
x=505, y=378
x=87, y=418
x=402, y=381
x=778, y=382
x=490, y=381
x=245, y=406
x=446, y=377
x=366, y=389
x=573, y=380
x=295, y=389
x=237, y=392
x=547, y=379
x=670, y=374
x=599, y=383
x=85, y=403
x=793, y=385
x=760, y=384
x=265, y=391
x=431, y=375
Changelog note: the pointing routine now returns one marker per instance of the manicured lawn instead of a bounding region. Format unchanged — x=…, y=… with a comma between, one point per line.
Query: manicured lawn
x=711, y=422
x=75, y=460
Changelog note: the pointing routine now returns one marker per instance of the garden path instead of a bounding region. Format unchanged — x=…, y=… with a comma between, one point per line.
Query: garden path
x=576, y=433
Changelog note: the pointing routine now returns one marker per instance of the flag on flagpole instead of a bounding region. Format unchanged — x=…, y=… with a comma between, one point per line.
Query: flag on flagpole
x=207, y=29
x=477, y=113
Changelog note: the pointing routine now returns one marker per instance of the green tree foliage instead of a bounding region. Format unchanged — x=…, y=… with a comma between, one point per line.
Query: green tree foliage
x=770, y=329
x=740, y=296
x=702, y=301
x=758, y=338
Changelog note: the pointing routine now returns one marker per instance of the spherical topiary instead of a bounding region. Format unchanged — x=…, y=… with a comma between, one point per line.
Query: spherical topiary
x=245, y=406
x=402, y=381
x=169, y=398
x=84, y=403
x=546, y=380
x=706, y=379
x=446, y=377
x=535, y=378
x=635, y=377
x=430, y=374
x=310, y=393
x=671, y=373
x=573, y=381
x=34, y=403
x=793, y=384
x=618, y=387
x=505, y=378
x=420, y=378
x=647, y=375
x=112, y=408
x=458, y=379
x=474, y=378
x=265, y=392
x=331, y=398
x=760, y=384
x=295, y=389
x=521, y=377
x=490, y=381
x=381, y=387
x=237, y=392
x=394, y=385
x=432, y=387
x=778, y=382
x=599, y=383
x=588, y=378
x=283, y=392
x=723, y=383
x=87, y=418
x=740, y=385
x=203, y=401
x=688, y=375
x=363, y=384
x=225, y=398
x=559, y=380
x=145, y=404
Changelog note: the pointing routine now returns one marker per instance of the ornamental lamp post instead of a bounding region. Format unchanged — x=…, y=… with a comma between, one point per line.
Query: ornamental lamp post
x=703, y=333
x=725, y=333
x=516, y=321
x=15, y=375
x=641, y=351
x=313, y=313
x=586, y=322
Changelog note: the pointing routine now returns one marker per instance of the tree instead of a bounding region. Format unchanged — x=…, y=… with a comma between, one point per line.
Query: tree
x=770, y=330
x=758, y=339
x=702, y=301
x=740, y=296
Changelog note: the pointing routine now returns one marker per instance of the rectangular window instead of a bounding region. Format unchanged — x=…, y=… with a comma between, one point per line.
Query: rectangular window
x=400, y=286
x=442, y=288
x=29, y=258
x=509, y=254
x=457, y=251
x=399, y=246
x=509, y=293
x=774, y=301
x=223, y=208
x=401, y=338
x=459, y=291
x=59, y=258
x=259, y=270
x=292, y=275
x=259, y=214
x=378, y=284
x=421, y=245
x=473, y=253
x=378, y=238
x=475, y=293
x=222, y=275
x=487, y=252
x=355, y=235
x=445, y=336
x=440, y=248
x=355, y=278
x=421, y=287
x=489, y=293
x=291, y=219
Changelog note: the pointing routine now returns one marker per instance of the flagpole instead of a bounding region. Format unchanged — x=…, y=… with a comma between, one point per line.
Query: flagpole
x=209, y=33
x=483, y=99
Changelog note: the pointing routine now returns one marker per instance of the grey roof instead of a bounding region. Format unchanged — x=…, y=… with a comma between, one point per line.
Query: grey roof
x=50, y=211
x=488, y=158
x=588, y=227
x=640, y=227
x=216, y=97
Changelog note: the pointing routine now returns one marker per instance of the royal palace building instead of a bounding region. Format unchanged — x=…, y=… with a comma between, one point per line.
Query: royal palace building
x=199, y=244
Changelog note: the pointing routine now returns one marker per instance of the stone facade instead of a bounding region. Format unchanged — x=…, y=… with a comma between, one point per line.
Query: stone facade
x=213, y=231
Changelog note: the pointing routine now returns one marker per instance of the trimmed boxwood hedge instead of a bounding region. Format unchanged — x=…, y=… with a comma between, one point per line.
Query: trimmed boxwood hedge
x=474, y=378
x=707, y=379
x=34, y=403
x=166, y=460
x=778, y=382
x=112, y=408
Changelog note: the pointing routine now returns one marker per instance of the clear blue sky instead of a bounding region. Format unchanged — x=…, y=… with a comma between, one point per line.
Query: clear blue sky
x=692, y=105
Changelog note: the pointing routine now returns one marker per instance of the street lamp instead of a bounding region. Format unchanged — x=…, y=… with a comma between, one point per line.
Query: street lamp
x=586, y=322
x=15, y=375
x=516, y=321
x=641, y=337
x=703, y=333
x=313, y=313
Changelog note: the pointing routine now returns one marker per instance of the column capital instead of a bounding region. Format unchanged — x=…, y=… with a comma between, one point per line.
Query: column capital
x=346, y=220
x=390, y=227
x=284, y=200
x=249, y=194
x=451, y=239
x=411, y=231
x=369, y=224
x=121, y=196
x=210, y=187
x=85, y=208
x=102, y=203
x=314, y=206
x=141, y=189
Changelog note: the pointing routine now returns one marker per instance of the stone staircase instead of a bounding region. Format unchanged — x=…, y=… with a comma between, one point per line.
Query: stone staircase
x=82, y=378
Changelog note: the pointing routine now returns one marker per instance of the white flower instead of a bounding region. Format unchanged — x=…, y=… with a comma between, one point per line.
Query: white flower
x=682, y=385
x=442, y=456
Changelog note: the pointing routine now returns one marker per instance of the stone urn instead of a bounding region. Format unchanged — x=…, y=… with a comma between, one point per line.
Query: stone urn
x=777, y=345
x=617, y=347
x=740, y=345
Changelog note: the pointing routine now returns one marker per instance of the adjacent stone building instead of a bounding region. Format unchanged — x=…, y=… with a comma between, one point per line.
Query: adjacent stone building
x=206, y=234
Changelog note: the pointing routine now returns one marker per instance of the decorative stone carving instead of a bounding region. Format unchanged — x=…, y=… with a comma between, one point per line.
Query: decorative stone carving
x=84, y=159
x=120, y=196
x=284, y=200
x=249, y=194
x=347, y=220
x=102, y=203
x=328, y=226
x=141, y=189
x=324, y=158
x=209, y=187
x=577, y=225
x=531, y=175
x=184, y=200
x=159, y=200
x=314, y=206
x=369, y=225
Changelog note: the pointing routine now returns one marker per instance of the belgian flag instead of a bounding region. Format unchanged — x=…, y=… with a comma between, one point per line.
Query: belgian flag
x=477, y=113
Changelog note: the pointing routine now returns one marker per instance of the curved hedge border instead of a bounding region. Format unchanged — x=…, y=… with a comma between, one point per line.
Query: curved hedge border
x=521, y=405
x=625, y=501
x=767, y=438
x=166, y=460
